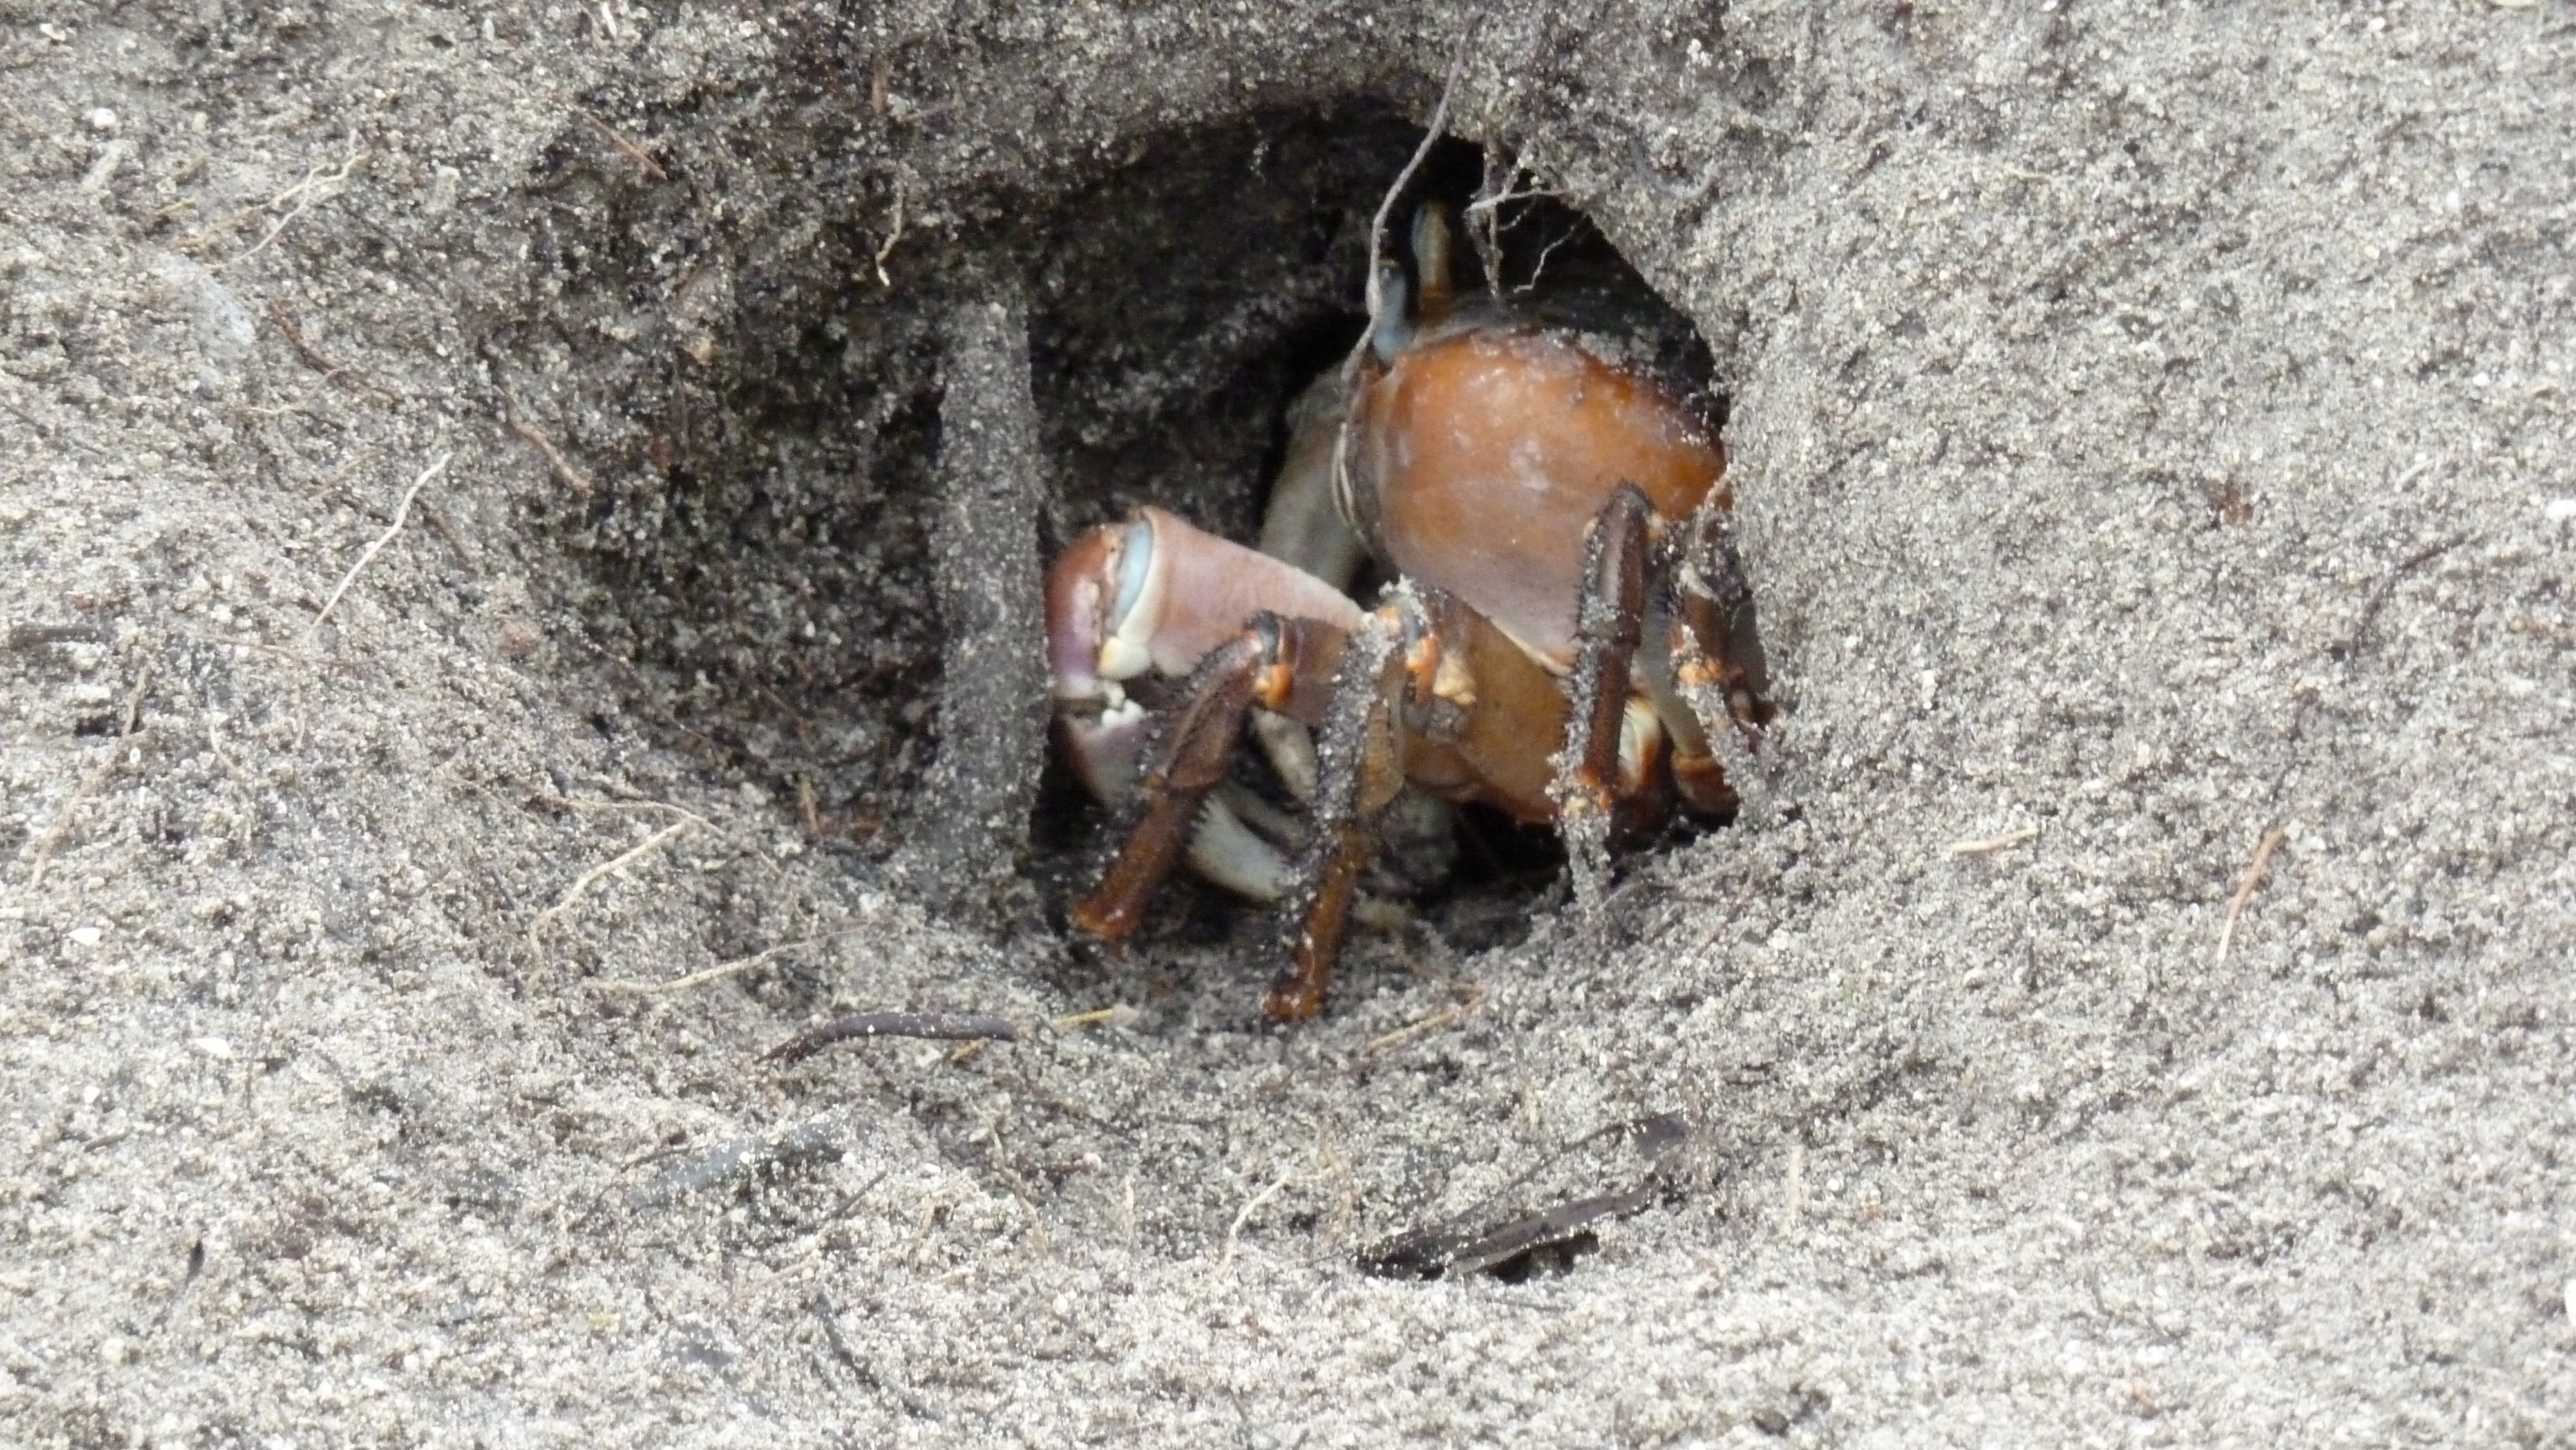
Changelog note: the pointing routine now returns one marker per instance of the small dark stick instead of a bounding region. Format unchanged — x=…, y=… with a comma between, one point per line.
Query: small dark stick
x=1435, y=1255
x=936, y=1026
x=2351, y=644
x=37, y=636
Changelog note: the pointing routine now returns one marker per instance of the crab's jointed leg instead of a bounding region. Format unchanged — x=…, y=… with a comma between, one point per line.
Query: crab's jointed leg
x=1275, y=662
x=1363, y=769
x=1713, y=676
x=1606, y=757
x=1180, y=769
x=1609, y=623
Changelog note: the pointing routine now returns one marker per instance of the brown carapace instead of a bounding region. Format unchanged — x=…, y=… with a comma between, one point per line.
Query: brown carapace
x=1568, y=623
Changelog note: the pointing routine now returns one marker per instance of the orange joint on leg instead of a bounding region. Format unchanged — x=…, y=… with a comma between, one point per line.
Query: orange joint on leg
x=1272, y=685
x=1698, y=673
x=1422, y=663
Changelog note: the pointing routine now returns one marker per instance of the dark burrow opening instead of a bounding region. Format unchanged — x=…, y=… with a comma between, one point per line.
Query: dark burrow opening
x=760, y=413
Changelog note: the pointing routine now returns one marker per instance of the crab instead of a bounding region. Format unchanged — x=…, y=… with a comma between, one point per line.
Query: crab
x=1566, y=628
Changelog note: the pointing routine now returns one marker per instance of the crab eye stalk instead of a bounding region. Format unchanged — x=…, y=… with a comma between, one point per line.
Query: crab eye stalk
x=1394, y=330
x=1431, y=260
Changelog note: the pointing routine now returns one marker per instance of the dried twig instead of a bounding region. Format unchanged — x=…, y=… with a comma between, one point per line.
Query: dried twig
x=134, y=699
x=1565, y=1227
x=1472, y=1242
x=1376, y=293
x=885, y=248
x=580, y=803
x=1989, y=845
x=2351, y=644
x=865, y=1368
x=1117, y=1014
x=595, y=874
x=1411, y=1030
x=1234, y=1231
x=320, y=362
x=1343, y=441
x=37, y=636
x=303, y=191
x=572, y=477
x=719, y=972
x=1483, y=217
x=2245, y=885
x=936, y=1026
x=402, y=511
x=1538, y=269
x=619, y=140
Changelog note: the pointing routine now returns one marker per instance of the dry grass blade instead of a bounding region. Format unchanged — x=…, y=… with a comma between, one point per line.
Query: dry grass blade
x=722, y=970
x=2245, y=885
x=596, y=874
x=367, y=555
x=1234, y=1231
x=619, y=139
x=1410, y=1030
x=1989, y=845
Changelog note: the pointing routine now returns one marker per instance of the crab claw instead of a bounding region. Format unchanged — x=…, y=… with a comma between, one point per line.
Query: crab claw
x=1155, y=594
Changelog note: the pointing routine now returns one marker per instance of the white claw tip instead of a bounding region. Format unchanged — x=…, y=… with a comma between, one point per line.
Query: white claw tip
x=1123, y=659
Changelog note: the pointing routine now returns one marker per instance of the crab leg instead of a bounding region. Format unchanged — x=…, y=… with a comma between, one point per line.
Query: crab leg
x=1717, y=605
x=1363, y=769
x=1275, y=662
x=1609, y=621
x=1155, y=596
x=1713, y=674
x=1184, y=766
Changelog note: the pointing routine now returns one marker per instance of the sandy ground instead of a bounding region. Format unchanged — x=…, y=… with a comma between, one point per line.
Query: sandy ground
x=2152, y=437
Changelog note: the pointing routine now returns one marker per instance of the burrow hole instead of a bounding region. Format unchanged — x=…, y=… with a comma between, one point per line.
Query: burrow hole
x=769, y=574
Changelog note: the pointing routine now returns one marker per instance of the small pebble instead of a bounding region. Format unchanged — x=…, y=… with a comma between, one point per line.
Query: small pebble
x=2559, y=510
x=102, y=120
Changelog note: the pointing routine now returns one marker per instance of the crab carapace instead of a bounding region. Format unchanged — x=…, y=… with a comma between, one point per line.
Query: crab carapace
x=1565, y=590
